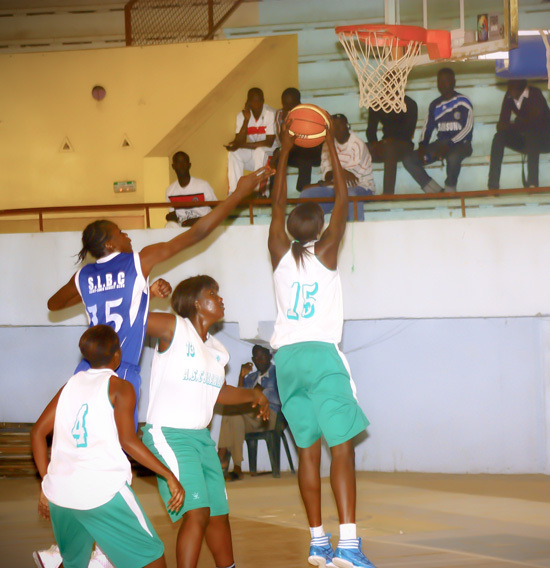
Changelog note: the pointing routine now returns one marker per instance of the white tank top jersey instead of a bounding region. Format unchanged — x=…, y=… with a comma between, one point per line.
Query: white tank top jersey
x=309, y=301
x=186, y=379
x=88, y=467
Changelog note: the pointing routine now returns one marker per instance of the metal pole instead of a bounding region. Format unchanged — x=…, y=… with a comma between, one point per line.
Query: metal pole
x=210, y=17
x=389, y=12
x=425, y=13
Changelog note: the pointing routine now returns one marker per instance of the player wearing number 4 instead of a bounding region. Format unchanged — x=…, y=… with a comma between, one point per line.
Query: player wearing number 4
x=86, y=485
x=115, y=289
x=315, y=386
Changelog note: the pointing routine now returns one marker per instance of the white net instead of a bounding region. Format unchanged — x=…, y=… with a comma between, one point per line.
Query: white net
x=382, y=67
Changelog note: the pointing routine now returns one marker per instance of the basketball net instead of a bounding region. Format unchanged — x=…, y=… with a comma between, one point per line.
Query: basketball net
x=382, y=68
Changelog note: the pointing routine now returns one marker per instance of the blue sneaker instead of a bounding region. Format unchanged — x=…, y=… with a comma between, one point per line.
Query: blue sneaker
x=320, y=552
x=349, y=555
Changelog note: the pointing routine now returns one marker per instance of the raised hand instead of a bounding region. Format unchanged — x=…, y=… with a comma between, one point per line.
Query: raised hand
x=287, y=139
x=247, y=184
x=247, y=113
x=246, y=368
x=160, y=288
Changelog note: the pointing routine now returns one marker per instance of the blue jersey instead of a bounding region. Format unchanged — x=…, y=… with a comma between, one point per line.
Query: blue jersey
x=453, y=119
x=116, y=293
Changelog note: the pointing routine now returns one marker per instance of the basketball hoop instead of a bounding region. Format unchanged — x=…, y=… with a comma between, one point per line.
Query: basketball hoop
x=383, y=55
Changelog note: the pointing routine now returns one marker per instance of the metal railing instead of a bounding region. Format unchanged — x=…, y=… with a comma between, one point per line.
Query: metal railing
x=250, y=204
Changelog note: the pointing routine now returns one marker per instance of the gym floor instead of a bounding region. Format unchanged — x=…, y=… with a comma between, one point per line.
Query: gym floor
x=405, y=520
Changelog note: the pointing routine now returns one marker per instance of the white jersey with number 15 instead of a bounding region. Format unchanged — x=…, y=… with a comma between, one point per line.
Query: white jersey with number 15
x=309, y=301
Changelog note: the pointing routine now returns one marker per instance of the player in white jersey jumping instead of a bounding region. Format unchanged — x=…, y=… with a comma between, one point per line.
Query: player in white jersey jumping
x=315, y=386
x=187, y=379
x=86, y=484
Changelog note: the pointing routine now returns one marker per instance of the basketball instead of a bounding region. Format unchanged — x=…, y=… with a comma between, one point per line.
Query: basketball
x=309, y=125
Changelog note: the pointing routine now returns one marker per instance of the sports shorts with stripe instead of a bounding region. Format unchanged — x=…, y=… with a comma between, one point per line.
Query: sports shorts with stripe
x=317, y=394
x=192, y=458
x=120, y=527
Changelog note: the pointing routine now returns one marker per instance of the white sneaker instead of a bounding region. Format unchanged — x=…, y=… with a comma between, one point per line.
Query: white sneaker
x=99, y=560
x=50, y=558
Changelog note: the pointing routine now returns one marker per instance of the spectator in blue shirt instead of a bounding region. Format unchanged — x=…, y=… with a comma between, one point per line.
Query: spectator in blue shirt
x=244, y=419
x=452, y=116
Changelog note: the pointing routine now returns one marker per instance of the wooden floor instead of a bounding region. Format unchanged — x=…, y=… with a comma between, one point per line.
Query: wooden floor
x=405, y=520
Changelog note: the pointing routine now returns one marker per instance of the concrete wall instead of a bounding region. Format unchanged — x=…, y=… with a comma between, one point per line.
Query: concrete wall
x=446, y=333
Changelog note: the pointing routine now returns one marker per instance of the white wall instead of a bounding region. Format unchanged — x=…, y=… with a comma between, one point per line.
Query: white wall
x=449, y=375
x=484, y=267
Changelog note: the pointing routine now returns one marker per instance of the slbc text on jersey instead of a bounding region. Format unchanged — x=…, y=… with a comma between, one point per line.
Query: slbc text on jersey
x=102, y=283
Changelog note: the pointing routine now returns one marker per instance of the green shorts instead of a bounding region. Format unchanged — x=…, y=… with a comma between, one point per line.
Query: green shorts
x=120, y=528
x=192, y=458
x=317, y=394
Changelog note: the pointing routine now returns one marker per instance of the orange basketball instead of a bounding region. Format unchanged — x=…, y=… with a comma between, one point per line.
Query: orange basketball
x=309, y=125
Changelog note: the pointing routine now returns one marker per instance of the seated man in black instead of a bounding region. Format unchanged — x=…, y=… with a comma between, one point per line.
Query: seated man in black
x=528, y=133
x=302, y=158
x=397, y=139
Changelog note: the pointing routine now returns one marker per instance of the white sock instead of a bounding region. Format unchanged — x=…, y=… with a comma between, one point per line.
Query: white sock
x=317, y=532
x=348, y=531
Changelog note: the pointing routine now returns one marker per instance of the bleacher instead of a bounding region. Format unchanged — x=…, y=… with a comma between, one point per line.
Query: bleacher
x=328, y=80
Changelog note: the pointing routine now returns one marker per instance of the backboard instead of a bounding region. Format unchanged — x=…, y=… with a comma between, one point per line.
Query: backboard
x=479, y=28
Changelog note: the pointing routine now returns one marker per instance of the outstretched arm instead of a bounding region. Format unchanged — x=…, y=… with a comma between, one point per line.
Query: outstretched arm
x=123, y=399
x=278, y=241
x=235, y=395
x=153, y=254
x=327, y=247
x=65, y=297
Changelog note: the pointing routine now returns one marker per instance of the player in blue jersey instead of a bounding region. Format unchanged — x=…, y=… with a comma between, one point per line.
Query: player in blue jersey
x=452, y=116
x=115, y=290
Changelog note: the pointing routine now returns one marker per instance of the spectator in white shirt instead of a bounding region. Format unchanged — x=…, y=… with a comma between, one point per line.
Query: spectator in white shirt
x=356, y=162
x=254, y=138
x=186, y=189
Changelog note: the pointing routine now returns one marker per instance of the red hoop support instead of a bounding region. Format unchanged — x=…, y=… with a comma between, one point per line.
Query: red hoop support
x=437, y=42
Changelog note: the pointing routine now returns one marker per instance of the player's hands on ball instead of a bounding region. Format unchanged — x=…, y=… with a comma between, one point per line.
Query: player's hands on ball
x=43, y=506
x=160, y=288
x=330, y=129
x=177, y=492
x=287, y=139
x=261, y=401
